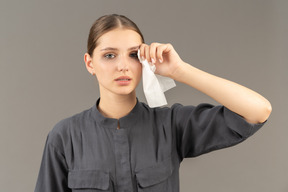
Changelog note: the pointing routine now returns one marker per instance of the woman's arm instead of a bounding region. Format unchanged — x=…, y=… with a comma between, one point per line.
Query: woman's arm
x=253, y=107
x=53, y=174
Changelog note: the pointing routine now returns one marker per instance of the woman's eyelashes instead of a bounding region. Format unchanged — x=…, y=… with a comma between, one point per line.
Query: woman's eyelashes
x=109, y=56
x=134, y=55
x=112, y=55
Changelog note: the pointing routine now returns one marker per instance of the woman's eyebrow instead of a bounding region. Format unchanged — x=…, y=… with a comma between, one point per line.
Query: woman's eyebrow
x=108, y=48
x=114, y=49
x=135, y=47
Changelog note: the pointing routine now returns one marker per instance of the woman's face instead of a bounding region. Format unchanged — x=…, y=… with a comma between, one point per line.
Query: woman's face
x=115, y=62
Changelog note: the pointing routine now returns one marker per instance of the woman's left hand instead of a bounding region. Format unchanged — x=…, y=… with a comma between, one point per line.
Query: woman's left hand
x=163, y=56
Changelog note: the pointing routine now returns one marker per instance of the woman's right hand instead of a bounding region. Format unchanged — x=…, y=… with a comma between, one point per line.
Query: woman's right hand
x=163, y=56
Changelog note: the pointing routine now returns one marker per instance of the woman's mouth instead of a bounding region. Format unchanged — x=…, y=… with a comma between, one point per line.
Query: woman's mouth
x=123, y=80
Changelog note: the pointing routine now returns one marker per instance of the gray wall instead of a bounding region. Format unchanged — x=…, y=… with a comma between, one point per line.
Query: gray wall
x=43, y=79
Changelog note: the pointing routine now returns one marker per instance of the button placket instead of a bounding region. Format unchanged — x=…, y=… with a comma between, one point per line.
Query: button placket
x=123, y=169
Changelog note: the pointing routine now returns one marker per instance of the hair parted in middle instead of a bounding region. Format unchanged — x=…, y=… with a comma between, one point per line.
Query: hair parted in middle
x=105, y=24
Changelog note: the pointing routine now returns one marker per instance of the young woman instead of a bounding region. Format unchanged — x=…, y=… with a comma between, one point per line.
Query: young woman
x=123, y=145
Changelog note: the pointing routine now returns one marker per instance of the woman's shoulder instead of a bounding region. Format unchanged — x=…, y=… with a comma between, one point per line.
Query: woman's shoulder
x=173, y=107
x=164, y=112
x=63, y=128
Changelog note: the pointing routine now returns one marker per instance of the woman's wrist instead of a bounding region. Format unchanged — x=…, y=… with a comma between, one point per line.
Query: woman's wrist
x=178, y=73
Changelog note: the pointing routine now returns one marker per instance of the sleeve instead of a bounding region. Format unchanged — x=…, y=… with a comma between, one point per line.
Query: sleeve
x=53, y=170
x=206, y=128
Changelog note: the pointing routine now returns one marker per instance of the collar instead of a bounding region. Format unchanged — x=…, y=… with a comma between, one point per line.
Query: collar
x=125, y=122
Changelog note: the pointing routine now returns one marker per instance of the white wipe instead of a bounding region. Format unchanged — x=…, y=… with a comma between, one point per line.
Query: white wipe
x=154, y=85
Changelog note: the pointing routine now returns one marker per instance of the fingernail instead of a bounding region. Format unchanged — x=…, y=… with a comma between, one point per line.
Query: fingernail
x=160, y=60
x=142, y=58
x=153, y=60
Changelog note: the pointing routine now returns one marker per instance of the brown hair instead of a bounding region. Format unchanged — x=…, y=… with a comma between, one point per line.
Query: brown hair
x=105, y=24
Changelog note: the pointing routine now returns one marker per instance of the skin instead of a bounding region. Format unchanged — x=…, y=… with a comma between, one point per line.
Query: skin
x=114, y=57
x=118, y=101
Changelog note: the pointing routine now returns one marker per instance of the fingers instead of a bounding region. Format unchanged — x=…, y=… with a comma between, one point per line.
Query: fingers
x=154, y=52
x=161, y=49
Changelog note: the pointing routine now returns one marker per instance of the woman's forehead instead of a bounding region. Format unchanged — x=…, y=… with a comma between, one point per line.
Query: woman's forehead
x=119, y=39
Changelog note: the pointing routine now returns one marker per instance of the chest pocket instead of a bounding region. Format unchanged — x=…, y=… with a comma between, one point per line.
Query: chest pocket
x=89, y=181
x=154, y=179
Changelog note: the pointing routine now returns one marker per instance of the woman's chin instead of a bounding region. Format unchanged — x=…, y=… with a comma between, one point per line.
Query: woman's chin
x=125, y=93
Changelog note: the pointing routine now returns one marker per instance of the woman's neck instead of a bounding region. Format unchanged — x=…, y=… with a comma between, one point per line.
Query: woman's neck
x=117, y=106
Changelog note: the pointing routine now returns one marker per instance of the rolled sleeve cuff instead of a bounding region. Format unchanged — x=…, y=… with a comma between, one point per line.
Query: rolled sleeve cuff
x=239, y=124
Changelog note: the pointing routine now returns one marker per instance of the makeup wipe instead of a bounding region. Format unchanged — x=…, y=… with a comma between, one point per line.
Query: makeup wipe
x=154, y=85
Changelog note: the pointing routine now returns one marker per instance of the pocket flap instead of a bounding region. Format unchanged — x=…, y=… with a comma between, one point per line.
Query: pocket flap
x=154, y=174
x=95, y=179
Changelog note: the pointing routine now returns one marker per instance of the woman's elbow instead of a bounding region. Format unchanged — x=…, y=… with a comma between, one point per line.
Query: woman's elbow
x=264, y=112
x=260, y=114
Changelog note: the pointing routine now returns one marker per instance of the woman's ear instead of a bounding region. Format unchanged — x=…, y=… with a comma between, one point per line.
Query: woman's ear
x=88, y=63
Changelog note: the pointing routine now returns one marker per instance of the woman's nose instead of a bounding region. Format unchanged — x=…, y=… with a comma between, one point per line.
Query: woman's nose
x=123, y=64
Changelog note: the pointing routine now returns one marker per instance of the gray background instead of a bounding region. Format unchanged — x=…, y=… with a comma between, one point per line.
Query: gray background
x=43, y=79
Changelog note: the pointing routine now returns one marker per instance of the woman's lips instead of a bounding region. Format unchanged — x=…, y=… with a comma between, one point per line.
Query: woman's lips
x=123, y=80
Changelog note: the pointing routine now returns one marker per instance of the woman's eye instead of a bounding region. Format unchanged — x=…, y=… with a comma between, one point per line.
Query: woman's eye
x=109, y=56
x=134, y=55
